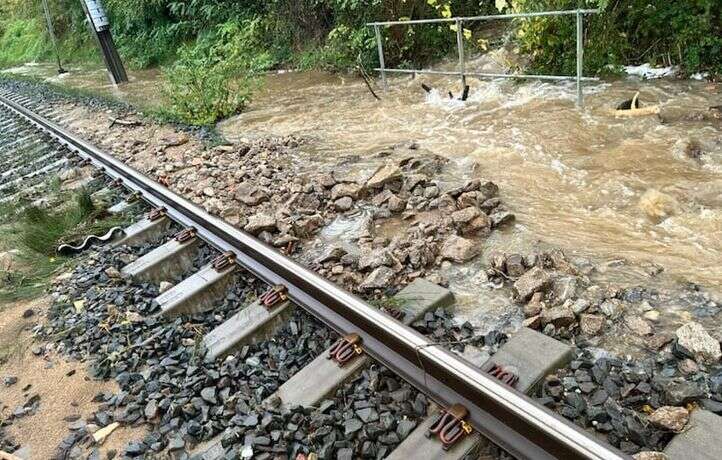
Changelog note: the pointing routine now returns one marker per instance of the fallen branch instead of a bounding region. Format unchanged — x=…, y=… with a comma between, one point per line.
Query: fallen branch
x=644, y=111
x=119, y=121
x=365, y=77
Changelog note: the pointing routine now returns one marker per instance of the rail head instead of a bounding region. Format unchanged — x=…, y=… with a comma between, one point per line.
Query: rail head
x=507, y=417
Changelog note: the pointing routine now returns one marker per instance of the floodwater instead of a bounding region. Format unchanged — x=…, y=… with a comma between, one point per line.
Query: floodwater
x=622, y=193
x=143, y=89
x=629, y=194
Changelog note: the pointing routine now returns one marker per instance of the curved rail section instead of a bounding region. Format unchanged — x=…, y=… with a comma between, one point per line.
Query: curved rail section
x=507, y=417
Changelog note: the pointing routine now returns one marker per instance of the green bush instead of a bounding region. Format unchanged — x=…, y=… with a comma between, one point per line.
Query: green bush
x=214, y=77
x=688, y=34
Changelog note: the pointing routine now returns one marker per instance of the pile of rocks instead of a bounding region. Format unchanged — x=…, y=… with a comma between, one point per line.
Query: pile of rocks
x=441, y=226
x=637, y=404
x=254, y=186
x=554, y=291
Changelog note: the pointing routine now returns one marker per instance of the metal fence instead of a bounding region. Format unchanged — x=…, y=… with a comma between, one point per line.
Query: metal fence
x=462, y=73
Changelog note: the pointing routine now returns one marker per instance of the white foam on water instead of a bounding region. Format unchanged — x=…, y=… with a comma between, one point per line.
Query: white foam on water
x=436, y=99
x=558, y=166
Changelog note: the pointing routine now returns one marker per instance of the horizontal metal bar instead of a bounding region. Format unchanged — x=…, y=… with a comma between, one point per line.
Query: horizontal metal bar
x=484, y=18
x=491, y=75
x=509, y=418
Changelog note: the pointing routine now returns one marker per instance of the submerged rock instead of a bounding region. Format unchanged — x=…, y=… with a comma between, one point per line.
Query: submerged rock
x=558, y=316
x=384, y=175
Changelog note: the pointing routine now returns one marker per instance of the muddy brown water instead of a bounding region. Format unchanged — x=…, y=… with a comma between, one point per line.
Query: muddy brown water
x=621, y=192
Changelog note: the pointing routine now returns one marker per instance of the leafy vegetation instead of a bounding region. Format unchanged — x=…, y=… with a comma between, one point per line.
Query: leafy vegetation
x=213, y=51
x=687, y=34
x=214, y=77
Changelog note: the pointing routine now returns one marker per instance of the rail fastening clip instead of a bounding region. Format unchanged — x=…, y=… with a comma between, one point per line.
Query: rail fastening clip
x=223, y=261
x=345, y=349
x=450, y=426
x=274, y=296
x=156, y=213
x=185, y=235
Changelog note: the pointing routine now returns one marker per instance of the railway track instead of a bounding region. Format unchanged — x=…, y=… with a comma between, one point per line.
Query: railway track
x=473, y=398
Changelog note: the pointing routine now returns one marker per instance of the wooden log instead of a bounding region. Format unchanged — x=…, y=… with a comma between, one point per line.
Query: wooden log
x=119, y=121
x=644, y=111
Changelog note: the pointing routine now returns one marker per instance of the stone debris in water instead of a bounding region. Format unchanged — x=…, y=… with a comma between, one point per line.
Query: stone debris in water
x=459, y=249
x=693, y=338
x=534, y=280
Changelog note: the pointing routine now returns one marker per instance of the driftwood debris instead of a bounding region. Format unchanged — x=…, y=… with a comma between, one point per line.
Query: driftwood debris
x=633, y=108
x=464, y=94
x=119, y=121
x=367, y=80
x=630, y=104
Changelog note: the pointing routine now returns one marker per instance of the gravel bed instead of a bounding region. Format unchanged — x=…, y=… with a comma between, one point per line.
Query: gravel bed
x=637, y=405
x=165, y=381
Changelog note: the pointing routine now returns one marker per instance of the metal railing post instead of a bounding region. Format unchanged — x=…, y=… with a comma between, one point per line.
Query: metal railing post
x=460, y=47
x=381, y=57
x=580, y=61
x=51, y=33
x=461, y=71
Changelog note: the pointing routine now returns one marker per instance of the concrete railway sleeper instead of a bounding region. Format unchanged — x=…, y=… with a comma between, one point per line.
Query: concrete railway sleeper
x=475, y=402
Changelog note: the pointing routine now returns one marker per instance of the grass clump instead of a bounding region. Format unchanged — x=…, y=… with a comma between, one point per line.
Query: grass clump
x=34, y=235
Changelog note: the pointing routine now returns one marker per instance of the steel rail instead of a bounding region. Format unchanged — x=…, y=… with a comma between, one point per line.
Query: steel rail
x=507, y=417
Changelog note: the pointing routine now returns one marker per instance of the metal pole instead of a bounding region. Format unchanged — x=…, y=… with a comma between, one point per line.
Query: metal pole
x=460, y=47
x=580, y=61
x=100, y=28
x=380, y=45
x=51, y=32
